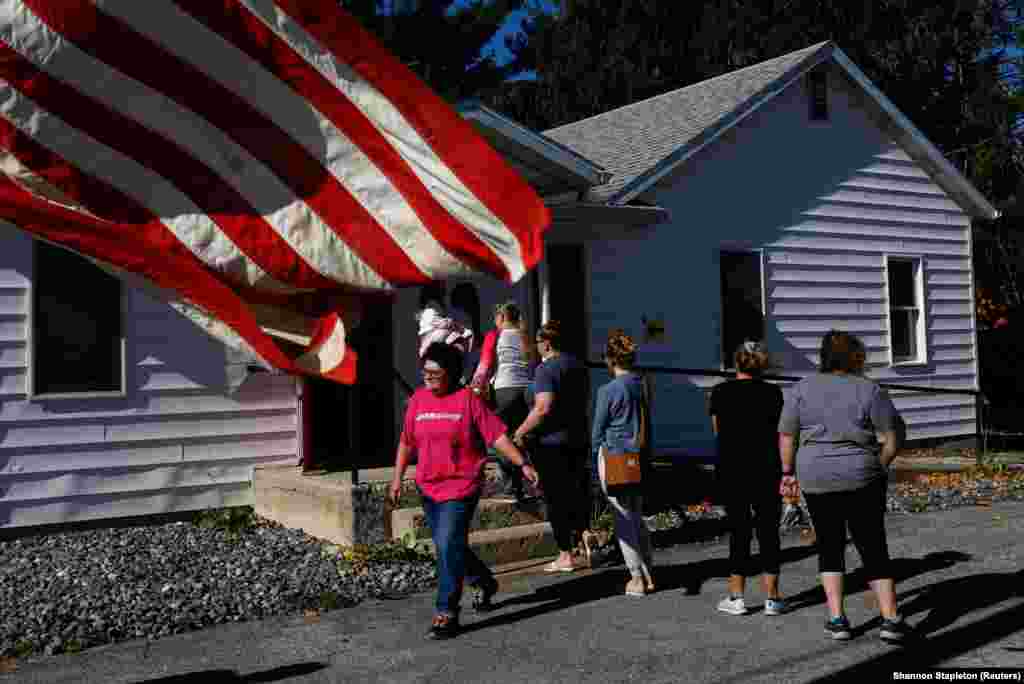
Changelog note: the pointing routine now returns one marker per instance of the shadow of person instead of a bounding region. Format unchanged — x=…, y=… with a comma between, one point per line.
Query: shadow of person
x=949, y=601
x=276, y=674
x=596, y=585
x=856, y=582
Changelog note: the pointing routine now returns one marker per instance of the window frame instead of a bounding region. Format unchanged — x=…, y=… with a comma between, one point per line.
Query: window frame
x=30, y=339
x=727, y=248
x=921, y=331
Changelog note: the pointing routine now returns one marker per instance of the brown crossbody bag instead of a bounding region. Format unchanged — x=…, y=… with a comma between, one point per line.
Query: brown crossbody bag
x=623, y=471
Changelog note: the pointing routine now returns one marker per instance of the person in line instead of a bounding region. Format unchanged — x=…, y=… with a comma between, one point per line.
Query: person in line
x=464, y=309
x=848, y=431
x=449, y=428
x=558, y=419
x=745, y=417
x=436, y=326
x=505, y=364
x=619, y=419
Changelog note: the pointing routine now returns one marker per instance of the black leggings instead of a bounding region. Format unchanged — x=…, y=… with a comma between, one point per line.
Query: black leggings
x=510, y=405
x=566, y=485
x=864, y=511
x=766, y=502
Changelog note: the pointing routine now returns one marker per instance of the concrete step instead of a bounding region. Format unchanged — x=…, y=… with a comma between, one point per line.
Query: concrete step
x=508, y=545
x=490, y=514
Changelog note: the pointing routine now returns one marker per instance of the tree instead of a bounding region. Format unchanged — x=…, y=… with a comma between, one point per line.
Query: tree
x=443, y=41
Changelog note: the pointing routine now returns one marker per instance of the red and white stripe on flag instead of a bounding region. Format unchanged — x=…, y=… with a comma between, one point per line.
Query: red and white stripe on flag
x=250, y=162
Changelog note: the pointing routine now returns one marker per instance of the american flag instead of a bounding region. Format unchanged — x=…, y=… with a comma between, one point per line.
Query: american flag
x=257, y=164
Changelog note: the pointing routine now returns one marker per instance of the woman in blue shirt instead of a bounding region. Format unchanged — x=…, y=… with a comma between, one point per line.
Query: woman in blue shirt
x=617, y=428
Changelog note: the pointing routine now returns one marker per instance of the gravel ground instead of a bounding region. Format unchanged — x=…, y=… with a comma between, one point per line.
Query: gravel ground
x=65, y=592
x=70, y=591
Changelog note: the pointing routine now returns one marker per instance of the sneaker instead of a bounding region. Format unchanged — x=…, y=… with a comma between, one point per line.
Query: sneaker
x=838, y=628
x=482, y=593
x=774, y=606
x=894, y=631
x=443, y=627
x=733, y=605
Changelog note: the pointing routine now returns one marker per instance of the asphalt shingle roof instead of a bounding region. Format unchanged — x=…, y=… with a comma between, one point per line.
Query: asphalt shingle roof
x=630, y=140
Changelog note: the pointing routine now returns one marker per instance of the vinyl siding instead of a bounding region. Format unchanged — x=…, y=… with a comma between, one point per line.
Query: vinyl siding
x=824, y=203
x=176, y=441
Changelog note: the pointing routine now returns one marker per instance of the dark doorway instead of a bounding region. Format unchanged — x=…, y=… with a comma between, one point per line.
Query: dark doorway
x=354, y=426
x=568, y=297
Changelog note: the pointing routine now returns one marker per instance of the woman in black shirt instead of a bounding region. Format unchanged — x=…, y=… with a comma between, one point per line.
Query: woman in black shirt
x=745, y=416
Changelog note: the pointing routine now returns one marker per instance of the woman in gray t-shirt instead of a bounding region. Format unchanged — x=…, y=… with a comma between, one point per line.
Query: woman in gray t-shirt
x=847, y=429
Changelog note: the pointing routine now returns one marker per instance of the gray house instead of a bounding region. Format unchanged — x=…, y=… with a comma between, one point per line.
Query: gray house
x=801, y=200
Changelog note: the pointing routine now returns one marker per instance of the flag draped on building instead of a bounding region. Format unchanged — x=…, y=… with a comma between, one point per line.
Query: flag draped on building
x=255, y=163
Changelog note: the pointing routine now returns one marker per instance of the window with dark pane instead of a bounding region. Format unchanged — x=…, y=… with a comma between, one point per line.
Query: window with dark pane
x=742, y=313
x=76, y=325
x=817, y=84
x=904, y=309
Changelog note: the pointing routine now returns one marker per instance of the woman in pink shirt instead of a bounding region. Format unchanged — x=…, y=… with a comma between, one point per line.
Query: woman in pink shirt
x=449, y=428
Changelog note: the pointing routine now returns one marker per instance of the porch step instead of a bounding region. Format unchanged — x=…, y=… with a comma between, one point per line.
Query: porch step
x=491, y=514
x=510, y=544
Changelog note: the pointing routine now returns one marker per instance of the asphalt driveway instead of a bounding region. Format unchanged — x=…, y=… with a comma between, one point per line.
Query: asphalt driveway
x=960, y=582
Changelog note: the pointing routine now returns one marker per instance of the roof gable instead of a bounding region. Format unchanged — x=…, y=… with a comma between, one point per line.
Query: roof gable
x=642, y=142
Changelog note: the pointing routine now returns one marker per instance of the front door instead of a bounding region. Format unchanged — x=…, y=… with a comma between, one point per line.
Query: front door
x=567, y=292
x=354, y=426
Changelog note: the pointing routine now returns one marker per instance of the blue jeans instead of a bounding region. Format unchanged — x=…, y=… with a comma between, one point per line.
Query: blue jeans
x=456, y=562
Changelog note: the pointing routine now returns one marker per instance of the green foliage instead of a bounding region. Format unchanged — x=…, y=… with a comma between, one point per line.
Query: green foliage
x=73, y=646
x=359, y=556
x=329, y=600
x=409, y=497
x=604, y=521
x=443, y=41
x=23, y=648
x=233, y=520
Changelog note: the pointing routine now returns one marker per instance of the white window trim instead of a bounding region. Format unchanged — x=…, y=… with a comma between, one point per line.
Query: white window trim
x=30, y=380
x=739, y=248
x=922, y=323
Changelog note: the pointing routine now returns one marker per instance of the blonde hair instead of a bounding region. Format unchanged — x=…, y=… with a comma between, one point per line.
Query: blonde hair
x=620, y=351
x=751, y=357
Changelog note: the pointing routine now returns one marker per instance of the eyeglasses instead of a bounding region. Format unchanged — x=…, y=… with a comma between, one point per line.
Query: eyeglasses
x=433, y=373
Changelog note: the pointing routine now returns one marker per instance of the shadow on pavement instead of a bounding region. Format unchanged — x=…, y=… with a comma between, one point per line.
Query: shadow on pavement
x=229, y=676
x=606, y=583
x=903, y=569
x=947, y=602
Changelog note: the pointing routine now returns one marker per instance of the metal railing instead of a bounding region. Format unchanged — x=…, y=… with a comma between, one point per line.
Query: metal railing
x=982, y=402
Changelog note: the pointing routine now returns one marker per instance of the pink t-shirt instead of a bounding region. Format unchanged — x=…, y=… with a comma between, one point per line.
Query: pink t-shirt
x=450, y=436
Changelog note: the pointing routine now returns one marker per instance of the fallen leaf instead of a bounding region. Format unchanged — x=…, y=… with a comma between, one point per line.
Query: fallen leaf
x=8, y=664
x=311, y=616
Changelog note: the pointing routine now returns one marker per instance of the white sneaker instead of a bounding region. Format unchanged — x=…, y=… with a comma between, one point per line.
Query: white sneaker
x=733, y=606
x=774, y=606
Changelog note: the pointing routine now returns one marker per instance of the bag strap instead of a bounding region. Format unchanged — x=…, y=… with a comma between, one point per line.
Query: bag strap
x=641, y=442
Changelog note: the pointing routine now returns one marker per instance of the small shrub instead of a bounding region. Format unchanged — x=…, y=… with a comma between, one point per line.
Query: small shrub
x=329, y=600
x=234, y=520
x=359, y=556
